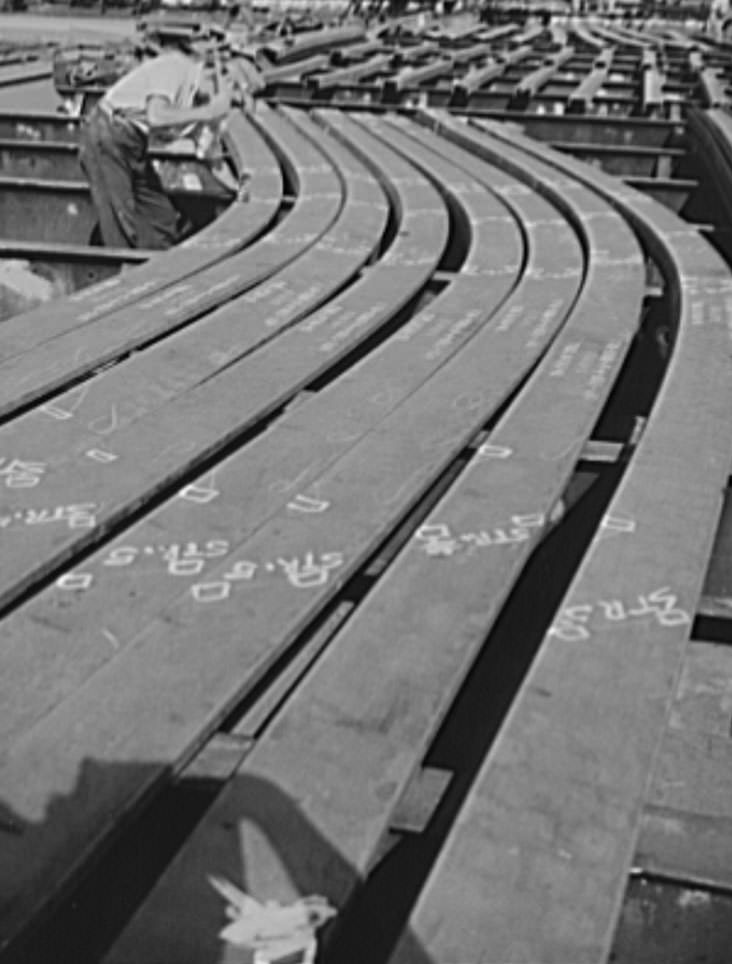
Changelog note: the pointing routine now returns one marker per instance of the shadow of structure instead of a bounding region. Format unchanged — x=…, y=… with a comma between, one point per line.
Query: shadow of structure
x=182, y=922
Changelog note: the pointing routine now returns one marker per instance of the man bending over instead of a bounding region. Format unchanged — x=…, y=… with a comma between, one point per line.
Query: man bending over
x=162, y=95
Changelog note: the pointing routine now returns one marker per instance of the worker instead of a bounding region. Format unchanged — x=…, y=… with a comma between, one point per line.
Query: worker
x=718, y=14
x=163, y=95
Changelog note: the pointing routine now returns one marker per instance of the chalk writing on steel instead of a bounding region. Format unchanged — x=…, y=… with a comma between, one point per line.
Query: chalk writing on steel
x=127, y=295
x=75, y=580
x=562, y=364
x=545, y=223
x=54, y=411
x=207, y=592
x=514, y=190
x=71, y=401
x=201, y=492
x=490, y=451
x=603, y=368
x=80, y=516
x=99, y=455
x=573, y=622
x=244, y=569
x=121, y=556
x=111, y=638
x=305, y=503
x=349, y=324
x=20, y=473
x=188, y=559
x=105, y=424
x=436, y=539
x=540, y=274
x=306, y=573
x=541, y=329
x=454, y=333
x=616, y=524
x=166, y=295
x=201, y=294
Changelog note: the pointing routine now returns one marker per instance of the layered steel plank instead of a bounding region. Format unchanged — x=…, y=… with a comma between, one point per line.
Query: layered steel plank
x=268, y=501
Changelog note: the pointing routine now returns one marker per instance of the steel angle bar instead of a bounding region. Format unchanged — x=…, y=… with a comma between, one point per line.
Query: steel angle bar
x=587, y=38
x=343, y=55
x=672, y=193
x=291, y=49
x=22, y=74
x=442, y=33
x=649, y=59
x=70, y=267
x=680, y=39
x=652, y=80
x=112, y=326
x=695, y=60
x=529, y=35
x=240, y=223
x=407, y=55
x=713, y=88
x=477, y=77
x=602, y=765
x=497, y=33
x=711, y=135
x=305, y=355
x=39, y=126
x=558, y=35
x=349, y=75
x=30, y=249
x=355, y=465
x=467, y=54
x=454, y=34
x=653, y=96
x=293, y=71
x=586, y=91
x=619, y=37
x=533, y=82
x=412, y=76
x=30, y=158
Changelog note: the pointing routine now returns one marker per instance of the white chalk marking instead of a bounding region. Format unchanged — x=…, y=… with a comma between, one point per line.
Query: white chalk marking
x=98, y=455
x=304, y=503
x=75, y=580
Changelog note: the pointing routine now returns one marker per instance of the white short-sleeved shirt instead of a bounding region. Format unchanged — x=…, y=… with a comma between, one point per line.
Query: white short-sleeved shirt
x=172, y=76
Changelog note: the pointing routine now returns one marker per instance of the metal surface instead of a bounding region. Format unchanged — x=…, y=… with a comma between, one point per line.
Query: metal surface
x=319, y=473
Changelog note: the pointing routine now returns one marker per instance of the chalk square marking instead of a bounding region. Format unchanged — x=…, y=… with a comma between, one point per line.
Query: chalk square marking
x=194, y=493
x=100, y=456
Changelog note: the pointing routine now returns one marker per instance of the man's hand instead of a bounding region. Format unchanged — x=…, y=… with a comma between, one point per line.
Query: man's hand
x=220, y=105
x=247, y=101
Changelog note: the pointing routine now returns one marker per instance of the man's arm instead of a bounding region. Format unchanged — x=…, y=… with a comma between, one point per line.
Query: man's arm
x=161, y=113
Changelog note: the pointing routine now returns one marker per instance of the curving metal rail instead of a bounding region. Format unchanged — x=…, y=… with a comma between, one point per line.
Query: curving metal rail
x=440, y=406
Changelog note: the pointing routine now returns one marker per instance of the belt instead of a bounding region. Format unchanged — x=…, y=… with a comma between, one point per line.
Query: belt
x=120, y=116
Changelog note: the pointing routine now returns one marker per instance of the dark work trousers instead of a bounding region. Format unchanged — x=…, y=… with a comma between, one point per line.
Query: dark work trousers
x=133, y=209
